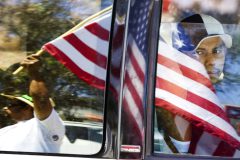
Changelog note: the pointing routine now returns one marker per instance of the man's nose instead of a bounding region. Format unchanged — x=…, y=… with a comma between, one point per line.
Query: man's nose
x=6, y=110
x=209, y=62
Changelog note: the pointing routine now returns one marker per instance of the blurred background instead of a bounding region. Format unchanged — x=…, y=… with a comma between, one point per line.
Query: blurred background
x=25, y=26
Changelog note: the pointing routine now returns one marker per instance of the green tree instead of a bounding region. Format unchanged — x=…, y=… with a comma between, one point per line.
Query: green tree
x=37, y=24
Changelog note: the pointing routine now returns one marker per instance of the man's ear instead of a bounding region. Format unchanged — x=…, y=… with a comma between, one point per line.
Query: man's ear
x=6, y=111
x=221, y=76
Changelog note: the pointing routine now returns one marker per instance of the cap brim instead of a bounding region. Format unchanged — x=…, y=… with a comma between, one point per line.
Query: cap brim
x=18, y=98
x=25, y=101
x=227, y=40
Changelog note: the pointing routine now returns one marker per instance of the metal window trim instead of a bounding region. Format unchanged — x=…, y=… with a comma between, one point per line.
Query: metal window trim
x=122, y=81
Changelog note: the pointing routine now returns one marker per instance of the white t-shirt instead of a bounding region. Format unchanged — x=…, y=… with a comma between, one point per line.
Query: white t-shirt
x=34, y=135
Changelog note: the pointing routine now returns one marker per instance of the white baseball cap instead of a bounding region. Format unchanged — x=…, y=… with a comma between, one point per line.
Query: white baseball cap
x=207, y=27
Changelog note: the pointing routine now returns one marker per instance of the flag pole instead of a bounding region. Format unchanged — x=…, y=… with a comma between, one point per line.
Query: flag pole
x=82, y=23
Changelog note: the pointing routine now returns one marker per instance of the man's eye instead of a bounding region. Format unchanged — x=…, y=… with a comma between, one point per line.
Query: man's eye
x=217, y=51
x=199, y=52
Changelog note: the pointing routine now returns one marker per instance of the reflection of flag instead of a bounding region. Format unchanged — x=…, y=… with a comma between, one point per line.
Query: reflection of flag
x=135, y=73
x=85, y=51
x=134, y=87
x=183, y=87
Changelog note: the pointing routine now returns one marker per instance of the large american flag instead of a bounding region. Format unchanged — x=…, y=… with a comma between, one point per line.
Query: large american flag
x=84, y=52
x=183, y=87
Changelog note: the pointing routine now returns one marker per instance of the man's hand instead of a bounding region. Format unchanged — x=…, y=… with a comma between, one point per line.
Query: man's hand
x=37, y=88
x=32, y=64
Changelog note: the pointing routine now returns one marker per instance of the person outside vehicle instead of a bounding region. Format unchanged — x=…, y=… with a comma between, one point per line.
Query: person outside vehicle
x=38, y=127
x=201, y=37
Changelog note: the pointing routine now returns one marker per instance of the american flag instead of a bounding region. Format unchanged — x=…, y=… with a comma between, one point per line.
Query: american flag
x=183, y=87
x=84, y=52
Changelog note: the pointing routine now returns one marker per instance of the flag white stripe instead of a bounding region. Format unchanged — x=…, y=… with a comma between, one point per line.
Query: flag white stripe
x=187, y=84
x=181, y=58
x=135, y=79
x=210, y=144
x=80, y=60
x=131, y=70
x=115, y=83
x=93, y=41
x=134, y=110
x=138, y=55
x=197, y=111
x=106, y=17
x=236, y=154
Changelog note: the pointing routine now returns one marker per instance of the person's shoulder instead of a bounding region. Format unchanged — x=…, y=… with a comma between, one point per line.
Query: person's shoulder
x=53, y=115
x=13, y=126
x=4, y=129
x=52, y=119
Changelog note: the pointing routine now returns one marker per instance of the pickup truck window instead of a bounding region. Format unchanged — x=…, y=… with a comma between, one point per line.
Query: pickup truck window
x=76, y=89
x=197, y=79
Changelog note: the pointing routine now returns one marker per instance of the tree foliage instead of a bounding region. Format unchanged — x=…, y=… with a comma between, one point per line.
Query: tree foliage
x=37, y=24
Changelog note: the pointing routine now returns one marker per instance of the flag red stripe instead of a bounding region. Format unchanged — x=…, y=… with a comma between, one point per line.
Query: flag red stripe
x=198, y=122
x=196, y=135
x=185, y=71
x=98, y=30
x=60, y=56
x=134, y=93
x=127, y=111
x=118, y=37
x=224, y=149
x=86, y=51
x=115, y=71
x=135, y=63
x=191, y=97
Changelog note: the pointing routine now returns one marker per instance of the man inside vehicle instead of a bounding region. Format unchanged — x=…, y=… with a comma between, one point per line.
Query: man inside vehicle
x=38, y=127
x=207, y=43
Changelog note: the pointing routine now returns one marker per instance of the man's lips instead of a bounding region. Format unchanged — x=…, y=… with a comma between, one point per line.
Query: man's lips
x=214, y=74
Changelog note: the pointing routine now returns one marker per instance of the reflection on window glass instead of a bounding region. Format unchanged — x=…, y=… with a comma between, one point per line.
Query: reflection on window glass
x=55, y=105
x=197, y=82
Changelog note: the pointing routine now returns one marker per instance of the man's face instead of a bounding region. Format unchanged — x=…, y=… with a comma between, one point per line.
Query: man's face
x=18, y=111
x=211, y=53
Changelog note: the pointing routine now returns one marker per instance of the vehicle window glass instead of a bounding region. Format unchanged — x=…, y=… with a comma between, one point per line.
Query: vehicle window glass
x=197, y=79
x=70, y=76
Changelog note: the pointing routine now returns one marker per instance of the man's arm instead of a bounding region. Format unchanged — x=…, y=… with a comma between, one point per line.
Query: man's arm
x=178, y=130
x=37, y=88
